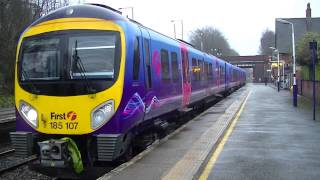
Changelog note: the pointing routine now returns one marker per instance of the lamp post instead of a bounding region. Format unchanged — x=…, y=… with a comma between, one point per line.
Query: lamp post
x=278, y=57
x=295, y=89
x=181, y=21
x=283, y=62
x=174, y=30
x=128, y=8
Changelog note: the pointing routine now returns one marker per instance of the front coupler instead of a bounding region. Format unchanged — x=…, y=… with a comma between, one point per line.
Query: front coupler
x=54, y=153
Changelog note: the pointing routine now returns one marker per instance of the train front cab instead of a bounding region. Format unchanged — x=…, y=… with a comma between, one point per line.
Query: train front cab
x=55, y=99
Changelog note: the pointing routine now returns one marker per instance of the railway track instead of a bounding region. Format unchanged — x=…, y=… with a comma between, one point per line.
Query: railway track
x=7, y=115
x=9, y=162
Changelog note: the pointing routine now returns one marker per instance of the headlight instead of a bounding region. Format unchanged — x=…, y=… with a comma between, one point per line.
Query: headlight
x=101, y=114
x=29, y=114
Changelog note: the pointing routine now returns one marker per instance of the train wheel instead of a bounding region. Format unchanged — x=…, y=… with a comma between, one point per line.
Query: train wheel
x=128, y=155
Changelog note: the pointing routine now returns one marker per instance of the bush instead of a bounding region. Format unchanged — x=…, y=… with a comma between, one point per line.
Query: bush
x=306, y=72
x=303, y=51
x=6, y=101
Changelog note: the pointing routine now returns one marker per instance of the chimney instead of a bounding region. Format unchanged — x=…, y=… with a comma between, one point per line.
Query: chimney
x=308, y=18
x=308, y=11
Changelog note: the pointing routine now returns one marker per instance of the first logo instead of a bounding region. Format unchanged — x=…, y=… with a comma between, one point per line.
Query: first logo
x=72, y=115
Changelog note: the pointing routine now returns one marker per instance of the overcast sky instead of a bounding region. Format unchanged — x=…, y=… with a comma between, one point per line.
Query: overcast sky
x=241, y=21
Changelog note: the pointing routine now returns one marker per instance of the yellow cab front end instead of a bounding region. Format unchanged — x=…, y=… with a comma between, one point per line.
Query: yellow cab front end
x=68, y=84
x=60, y=94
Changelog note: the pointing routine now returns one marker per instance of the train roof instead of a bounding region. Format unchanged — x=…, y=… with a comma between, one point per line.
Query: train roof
x=98, y=11
x=101, y=11
x=85, y=10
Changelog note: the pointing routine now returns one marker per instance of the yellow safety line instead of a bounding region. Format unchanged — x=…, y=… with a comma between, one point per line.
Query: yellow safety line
x=217, y=152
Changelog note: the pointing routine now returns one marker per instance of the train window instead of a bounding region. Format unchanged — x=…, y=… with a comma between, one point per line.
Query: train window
x=201, y=65
x=165, y=65
x=222, y=74
x=174, y=65
x=200, y=70
x=41, y=59
x=147, y=51
x=210, y=71
x=136, y=59
x=205, y=74
x=148, y=66
x=93, y=55
x=195, y=69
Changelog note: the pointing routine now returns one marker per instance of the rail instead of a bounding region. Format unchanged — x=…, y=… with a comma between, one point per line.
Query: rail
x=7, y=115
x=17, y=164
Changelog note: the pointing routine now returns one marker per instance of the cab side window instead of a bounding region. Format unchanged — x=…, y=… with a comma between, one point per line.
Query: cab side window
x=136, y=59
x=165, y=71
x=174, y=66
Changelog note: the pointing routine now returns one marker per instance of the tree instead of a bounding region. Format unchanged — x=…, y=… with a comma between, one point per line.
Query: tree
x=303, y=51
x=15, y=16
x=211, y=40
x=43, y=7
x=267, y=40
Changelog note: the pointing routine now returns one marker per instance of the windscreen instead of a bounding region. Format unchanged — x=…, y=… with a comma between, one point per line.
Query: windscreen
x=95, y=54
x=69, y=62
x=41, y=59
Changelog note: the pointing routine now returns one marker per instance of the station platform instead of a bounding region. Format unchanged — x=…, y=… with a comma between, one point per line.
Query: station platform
x=271, y=140
x=255, y=133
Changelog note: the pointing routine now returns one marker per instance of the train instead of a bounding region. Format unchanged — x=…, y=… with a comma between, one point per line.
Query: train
x=91, y=84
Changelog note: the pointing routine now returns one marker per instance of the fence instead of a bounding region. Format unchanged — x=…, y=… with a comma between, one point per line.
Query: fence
x=305, y=89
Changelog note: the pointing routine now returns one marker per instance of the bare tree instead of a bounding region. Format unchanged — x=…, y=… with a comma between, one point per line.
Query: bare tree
x=43, y=7
x=267, y=40
x=15, y=16
x=211, y=40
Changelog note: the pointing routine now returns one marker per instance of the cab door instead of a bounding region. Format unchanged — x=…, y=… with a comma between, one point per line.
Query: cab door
x=146, y=58
x=146, y=48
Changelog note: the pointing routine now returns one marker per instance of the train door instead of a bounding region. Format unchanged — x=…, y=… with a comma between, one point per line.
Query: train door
x=225, y=75
x=147, y=59
x=217, y=71
x=134, y=109
x=146, y=47
x=186, y=85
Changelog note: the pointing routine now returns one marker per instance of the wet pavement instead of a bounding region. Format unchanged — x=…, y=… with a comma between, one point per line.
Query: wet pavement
x=271, y=140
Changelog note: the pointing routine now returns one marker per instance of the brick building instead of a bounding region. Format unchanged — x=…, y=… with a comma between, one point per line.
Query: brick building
x=257, y=66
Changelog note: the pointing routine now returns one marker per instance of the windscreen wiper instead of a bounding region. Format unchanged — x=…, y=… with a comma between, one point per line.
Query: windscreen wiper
x=82, y=70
